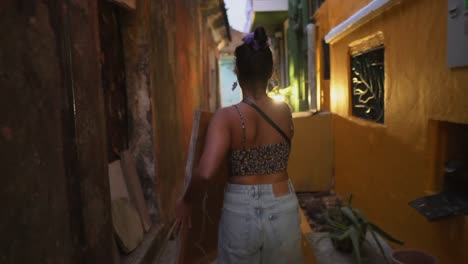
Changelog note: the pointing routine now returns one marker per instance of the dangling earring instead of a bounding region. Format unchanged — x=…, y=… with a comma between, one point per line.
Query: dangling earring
x=234, y=85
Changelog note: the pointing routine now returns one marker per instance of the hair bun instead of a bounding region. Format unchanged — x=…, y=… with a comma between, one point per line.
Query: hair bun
x=260, y=36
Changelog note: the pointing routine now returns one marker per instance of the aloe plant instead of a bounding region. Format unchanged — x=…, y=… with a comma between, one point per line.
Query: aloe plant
x=347, y=228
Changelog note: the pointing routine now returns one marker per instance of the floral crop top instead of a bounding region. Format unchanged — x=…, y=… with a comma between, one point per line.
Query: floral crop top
x=264, y=159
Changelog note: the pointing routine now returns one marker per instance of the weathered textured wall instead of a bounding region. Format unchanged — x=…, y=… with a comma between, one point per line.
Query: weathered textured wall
x=386, y=166
x=90, y=131
x=32, y=165
x=52, y=137
x=177, y=87
x=190, y=52
x=136, y=37
x=166, y=114
x=52, y=142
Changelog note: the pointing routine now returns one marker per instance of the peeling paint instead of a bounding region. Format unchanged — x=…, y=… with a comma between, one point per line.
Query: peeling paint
x=137, y=43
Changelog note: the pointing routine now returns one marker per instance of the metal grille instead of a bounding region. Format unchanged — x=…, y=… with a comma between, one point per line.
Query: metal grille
x=367, y=84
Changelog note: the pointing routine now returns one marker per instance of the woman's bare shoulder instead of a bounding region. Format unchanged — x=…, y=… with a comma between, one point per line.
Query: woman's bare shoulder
x=283, y=108
x=223, y=115
x=224, y=112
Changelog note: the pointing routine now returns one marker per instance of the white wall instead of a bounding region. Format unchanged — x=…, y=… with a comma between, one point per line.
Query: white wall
x=270, y=5
x=227, y=78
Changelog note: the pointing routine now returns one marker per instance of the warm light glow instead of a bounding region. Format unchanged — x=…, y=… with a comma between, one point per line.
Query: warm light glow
x=338, y=100
x=278, y=98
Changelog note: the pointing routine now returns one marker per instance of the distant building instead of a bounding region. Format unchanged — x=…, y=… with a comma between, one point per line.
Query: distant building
x=228, y=95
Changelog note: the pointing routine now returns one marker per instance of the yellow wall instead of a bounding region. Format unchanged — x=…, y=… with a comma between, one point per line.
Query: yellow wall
x=326, y=19
x=311, y=161
x=339, y=10
x=386, y=166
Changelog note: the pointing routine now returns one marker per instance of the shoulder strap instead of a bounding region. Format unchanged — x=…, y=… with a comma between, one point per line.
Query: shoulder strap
x=268, y=119
x=243, y=125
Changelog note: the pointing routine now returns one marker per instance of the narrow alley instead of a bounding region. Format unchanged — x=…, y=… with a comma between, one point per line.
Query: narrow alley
x=108, y=109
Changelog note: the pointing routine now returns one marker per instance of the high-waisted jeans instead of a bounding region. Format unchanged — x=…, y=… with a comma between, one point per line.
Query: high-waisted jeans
x=257, y=227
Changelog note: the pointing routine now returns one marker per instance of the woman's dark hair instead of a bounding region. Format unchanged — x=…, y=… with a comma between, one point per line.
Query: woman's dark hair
x=254, y=60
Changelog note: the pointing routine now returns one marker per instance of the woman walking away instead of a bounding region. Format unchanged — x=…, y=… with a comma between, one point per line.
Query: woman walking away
x=260, y=222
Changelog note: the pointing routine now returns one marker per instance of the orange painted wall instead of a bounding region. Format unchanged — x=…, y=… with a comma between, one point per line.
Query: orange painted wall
x=311, y=160
x=386, y=166
x=339, y=10
x=327, y=18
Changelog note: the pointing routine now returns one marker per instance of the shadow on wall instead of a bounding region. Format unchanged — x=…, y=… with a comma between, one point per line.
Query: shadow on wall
x=384, y=174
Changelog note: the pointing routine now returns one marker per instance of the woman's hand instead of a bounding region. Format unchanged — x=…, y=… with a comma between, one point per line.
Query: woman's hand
x=183, y=214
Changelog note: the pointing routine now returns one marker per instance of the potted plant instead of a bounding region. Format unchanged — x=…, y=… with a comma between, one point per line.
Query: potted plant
x=347, y=228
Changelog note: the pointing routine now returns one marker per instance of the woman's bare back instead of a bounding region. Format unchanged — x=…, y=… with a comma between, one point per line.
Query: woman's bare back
x=258, y=132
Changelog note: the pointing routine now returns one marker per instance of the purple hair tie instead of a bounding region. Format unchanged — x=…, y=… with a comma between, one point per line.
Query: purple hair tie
x=249, y=39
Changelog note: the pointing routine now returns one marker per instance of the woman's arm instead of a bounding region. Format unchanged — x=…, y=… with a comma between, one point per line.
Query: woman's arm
x=217, y=144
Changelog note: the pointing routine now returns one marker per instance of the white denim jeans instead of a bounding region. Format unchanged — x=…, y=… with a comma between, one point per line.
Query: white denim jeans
x=257, y=227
